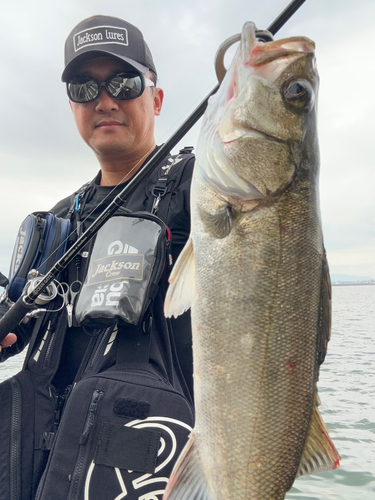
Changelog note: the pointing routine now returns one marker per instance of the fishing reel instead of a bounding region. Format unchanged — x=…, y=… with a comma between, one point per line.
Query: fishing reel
x=34, y=279
x=48, y=294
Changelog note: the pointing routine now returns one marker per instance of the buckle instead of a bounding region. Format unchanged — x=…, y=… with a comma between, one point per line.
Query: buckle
x=159, y=191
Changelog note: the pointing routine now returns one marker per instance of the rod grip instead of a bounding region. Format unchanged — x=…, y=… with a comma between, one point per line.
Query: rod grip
x=13, y=316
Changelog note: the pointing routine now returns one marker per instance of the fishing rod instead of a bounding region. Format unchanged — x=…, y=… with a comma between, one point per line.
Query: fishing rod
x=26, y=302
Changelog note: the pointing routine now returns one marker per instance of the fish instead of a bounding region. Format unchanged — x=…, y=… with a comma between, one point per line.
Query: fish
x=255, y=274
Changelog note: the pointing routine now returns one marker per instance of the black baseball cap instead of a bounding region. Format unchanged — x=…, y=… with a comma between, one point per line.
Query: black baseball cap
x=101, y=35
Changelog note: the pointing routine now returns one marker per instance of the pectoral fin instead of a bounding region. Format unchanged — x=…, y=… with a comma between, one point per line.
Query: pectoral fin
x=319, y=454
x=187, y=481
x=182, y=290
x=217, y=224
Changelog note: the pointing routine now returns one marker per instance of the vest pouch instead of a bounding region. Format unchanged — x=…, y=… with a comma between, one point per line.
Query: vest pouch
x=120, y=434
x=126, y=264
x=16, y=437
x=40, y=243
x=29, y=412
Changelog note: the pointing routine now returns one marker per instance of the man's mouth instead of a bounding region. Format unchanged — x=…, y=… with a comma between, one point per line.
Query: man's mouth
x=109, y=123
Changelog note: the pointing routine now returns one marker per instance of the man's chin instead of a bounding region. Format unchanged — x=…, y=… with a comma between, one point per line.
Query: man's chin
x=109, y=149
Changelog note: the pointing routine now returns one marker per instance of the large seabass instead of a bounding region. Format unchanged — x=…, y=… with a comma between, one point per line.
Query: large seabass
x=255, y=274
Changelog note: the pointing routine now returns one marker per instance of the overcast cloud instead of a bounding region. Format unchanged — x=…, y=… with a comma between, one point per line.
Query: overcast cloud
x=43, y=159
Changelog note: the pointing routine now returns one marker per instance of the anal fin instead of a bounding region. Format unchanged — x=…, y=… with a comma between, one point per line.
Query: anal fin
x=187, y=481
x=319, y=454
x=182, y=290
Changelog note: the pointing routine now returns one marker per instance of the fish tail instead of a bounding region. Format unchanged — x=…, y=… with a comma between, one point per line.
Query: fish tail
x=188, y=481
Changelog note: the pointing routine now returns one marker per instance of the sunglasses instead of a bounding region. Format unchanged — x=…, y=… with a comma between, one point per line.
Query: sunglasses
x=122, y=86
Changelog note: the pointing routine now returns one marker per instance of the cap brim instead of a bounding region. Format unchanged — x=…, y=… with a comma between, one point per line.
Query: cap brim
x=71, y=68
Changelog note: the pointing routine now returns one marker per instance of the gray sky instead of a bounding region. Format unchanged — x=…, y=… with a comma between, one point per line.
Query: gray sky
x=43, y=159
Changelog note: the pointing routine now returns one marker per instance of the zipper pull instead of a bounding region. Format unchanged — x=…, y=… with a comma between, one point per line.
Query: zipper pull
x=90, y=420
x=59, y=402
x=58, y=406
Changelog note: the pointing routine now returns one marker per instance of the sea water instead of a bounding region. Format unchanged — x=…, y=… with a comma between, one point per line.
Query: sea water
x=347, y=392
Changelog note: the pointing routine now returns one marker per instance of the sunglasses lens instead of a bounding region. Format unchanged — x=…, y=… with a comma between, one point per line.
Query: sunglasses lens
x=82, y=89
x=124, y=86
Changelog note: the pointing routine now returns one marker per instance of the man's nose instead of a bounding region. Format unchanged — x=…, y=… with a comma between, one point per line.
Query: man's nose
x=105, y=103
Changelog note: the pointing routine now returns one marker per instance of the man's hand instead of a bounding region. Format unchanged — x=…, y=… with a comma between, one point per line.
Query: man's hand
x=8, y=340
x=11, y=337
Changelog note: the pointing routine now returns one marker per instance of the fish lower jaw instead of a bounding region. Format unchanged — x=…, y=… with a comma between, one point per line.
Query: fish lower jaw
x=246, y=133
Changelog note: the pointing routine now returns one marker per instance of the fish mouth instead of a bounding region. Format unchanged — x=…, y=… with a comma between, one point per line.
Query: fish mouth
x=292, y=47
x=239, y=132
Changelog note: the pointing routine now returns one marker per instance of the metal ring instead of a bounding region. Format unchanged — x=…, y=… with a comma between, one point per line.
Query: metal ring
x=263, y=35
x=219, y=58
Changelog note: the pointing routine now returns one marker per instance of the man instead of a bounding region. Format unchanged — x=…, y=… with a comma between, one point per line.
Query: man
x=111, y=83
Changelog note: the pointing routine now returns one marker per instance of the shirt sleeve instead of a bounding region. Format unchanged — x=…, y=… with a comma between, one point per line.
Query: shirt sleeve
x=23, y=333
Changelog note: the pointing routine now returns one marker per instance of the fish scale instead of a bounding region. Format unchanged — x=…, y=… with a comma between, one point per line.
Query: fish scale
x=255, y=275
x=262, y=319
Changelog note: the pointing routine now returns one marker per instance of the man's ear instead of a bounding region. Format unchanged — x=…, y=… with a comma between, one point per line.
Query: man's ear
x=158, y=97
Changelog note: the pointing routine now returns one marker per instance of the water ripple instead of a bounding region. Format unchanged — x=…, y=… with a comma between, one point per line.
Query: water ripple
x=346, y=387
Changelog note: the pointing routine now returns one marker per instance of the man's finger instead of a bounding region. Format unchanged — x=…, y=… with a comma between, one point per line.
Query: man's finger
x=8, y=340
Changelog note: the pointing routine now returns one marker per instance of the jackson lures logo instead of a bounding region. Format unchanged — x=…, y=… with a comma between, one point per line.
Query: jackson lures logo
x=100, y=35
x=122, y=262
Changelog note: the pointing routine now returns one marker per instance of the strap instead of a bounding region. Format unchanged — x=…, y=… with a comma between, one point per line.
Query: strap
x=187, y=150
x=160, y=191
x=78, y=197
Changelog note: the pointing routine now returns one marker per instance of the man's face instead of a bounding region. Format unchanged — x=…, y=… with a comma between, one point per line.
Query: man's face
x=116, y=129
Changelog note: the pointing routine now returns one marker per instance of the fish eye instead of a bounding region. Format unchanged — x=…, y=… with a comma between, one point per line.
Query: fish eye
x=297, y=92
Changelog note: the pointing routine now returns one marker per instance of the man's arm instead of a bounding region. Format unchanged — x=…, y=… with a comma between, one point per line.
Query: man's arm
x=14, y=342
